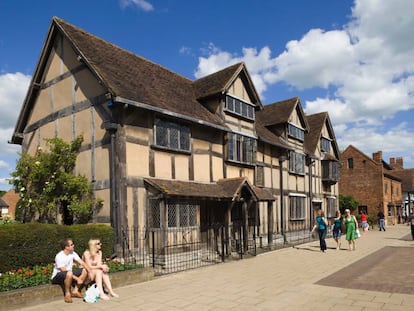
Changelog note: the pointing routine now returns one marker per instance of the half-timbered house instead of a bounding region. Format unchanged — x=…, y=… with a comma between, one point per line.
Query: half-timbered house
x=167, y=153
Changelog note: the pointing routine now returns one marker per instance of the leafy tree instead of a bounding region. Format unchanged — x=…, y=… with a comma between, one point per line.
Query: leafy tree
x=347, y=201
x=48, y=187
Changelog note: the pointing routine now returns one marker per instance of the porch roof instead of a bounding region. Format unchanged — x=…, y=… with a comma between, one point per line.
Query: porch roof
x=223, y=189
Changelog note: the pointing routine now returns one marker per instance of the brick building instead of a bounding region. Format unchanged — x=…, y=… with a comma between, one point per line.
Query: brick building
x=372, y=182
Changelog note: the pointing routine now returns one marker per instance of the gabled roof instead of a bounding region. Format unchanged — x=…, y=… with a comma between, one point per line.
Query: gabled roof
x=386, y=168
x=224, y=189
x=131, y=78
x=267, y=136
x=279, y=112
x=312, y=137
x=220, y=81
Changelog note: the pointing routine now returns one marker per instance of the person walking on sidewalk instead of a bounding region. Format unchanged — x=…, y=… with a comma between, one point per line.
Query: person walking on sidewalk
x=351, y=226
x=381, y=219
x=337, y=229
x=321, y=223
x=364, y=223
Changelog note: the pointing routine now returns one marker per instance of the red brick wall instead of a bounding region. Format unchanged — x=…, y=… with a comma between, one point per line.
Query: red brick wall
x=364, y=182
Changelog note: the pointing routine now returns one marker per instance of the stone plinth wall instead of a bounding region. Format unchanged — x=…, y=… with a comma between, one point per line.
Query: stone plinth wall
x=25, y=297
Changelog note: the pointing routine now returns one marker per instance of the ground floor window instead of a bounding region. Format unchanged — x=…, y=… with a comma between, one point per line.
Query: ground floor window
x=297, y=205
x=331, y=206
x=182, y=214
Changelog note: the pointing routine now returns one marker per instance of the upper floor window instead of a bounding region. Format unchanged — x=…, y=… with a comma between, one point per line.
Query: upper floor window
x=172, y=135
x=296, y=132
x=325, y=144
x=297, y=163
x=241, y=148
x=350, y=163
x=239, y=107
x=330, y=171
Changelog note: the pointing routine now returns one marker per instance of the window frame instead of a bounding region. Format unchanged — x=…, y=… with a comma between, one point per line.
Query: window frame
x=331, y=206
x=297, y=201
x=295, y=132
x=325, y=144
x=180, y=142
x=297, y=163
x=239, y=107
x=241, y=148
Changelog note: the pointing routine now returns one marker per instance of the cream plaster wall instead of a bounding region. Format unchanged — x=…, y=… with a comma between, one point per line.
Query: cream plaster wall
x=162, y=165
x=102, y=163
x=105, y=196
x=217, y=168
x=182, y=163
x=137, y=157
x=201, y=167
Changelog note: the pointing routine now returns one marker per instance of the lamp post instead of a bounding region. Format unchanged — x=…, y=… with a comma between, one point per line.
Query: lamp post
x=282, y=158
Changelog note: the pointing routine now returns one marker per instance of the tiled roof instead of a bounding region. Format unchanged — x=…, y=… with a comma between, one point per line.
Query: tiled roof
x=216, y=82
x=135, y=78
x=316, y=122
x=278, y=112
x=224, y=189
x=268, y=136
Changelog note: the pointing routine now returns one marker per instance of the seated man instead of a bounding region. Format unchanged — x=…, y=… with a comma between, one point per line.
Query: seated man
x=62, y=271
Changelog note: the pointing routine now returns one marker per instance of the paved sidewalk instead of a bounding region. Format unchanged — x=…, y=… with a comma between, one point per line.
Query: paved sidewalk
x=279, y=280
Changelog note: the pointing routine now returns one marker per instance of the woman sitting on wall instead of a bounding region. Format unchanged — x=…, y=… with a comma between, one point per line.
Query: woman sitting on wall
x=99, y=270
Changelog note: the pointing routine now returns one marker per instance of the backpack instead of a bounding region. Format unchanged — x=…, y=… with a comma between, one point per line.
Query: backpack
x=91, y=294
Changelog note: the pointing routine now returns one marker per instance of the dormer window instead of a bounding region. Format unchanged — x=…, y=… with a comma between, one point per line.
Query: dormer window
x=325, y=144
x=239, y=107
x=296, y=132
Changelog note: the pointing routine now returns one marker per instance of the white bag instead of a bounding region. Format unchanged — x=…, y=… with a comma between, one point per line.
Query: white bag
x=91, y=294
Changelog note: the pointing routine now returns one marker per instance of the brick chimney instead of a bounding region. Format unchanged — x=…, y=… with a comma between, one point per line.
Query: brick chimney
x=392, y=162
x=377, y=156
x=400, y=163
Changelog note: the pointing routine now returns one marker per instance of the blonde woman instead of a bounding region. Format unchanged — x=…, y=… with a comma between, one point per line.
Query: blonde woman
x=99, y=270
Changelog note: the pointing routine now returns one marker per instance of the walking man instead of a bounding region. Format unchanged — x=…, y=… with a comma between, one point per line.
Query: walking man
x=381, y=219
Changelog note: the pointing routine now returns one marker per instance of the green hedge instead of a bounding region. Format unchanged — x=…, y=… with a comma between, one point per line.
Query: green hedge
x=31, y=244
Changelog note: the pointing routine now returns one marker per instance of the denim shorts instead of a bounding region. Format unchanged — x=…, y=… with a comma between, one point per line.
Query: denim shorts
x=336, y=234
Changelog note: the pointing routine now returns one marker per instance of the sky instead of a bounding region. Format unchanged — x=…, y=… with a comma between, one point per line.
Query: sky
x=351, y=58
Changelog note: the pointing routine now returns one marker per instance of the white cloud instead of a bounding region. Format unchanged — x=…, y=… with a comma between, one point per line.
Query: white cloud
x=365, y=68
x=140, y=4
x=13, y=88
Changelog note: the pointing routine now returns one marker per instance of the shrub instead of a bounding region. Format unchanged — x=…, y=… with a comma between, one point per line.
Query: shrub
x=36, y=244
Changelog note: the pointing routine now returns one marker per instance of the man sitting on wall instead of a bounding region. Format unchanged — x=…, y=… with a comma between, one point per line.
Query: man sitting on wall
x=63, y=273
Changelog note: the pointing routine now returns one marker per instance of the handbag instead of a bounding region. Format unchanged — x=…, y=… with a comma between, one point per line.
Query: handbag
x=357, y=234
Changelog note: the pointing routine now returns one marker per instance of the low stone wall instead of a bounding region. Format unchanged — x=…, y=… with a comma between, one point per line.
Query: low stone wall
x=30, y=296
